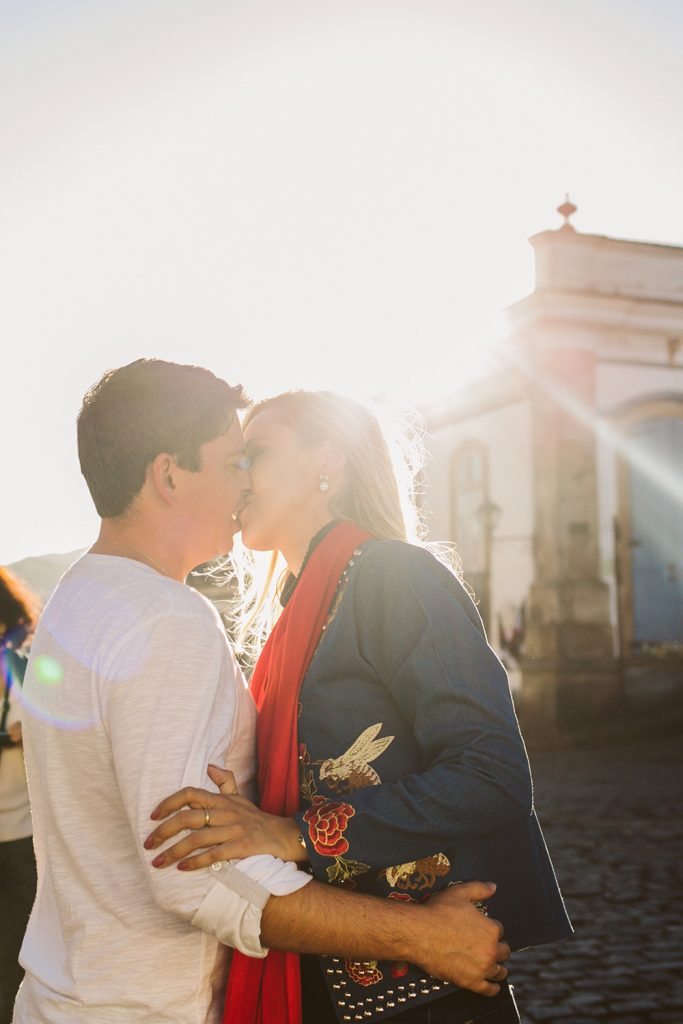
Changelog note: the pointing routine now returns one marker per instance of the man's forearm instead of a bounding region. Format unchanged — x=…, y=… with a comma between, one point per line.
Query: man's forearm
x=322, y=919
x=447, y=937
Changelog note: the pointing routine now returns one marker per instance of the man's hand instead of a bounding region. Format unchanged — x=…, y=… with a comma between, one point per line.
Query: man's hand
x=456, y=942
x=447, y=936
x=235, y=829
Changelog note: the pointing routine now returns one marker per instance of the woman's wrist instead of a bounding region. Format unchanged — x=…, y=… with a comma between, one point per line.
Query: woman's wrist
x=293, y=842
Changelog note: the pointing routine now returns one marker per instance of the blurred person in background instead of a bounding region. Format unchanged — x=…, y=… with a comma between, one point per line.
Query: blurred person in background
x=18, y=613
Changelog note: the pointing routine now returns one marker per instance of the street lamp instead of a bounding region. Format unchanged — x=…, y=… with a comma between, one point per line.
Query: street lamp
x=488, y=516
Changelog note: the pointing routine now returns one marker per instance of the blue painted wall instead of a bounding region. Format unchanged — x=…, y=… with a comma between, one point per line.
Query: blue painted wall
x=657, y=533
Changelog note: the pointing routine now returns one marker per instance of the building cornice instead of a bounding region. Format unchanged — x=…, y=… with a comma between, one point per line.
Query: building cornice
x=504, y=387
x=597, y=309
x=561, y=236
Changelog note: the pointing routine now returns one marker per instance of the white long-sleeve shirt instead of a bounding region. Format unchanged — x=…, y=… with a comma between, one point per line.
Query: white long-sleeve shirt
x=131, y=690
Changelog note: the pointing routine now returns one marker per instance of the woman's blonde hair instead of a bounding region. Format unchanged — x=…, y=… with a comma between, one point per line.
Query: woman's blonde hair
x=380, y=490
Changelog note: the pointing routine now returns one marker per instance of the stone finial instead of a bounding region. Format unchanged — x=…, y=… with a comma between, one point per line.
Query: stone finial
x=567, y=208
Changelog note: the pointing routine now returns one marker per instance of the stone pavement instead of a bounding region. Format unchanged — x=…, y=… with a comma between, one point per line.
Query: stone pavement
x=613, y=821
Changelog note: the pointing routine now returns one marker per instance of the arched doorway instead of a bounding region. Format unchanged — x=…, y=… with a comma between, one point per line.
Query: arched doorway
x=656, y=532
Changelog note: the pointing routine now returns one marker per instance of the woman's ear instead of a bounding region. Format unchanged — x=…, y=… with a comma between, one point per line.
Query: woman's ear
x=333, y=459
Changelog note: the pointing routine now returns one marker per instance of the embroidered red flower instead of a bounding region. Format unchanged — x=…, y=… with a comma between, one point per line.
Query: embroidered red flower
x=363, y=973
x=326, y=826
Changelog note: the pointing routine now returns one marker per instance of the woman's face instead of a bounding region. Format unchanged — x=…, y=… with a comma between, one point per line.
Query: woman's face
x=285, y=494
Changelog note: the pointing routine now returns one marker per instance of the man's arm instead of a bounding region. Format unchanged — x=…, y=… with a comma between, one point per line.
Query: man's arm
x=168, y=699
x=448, y=937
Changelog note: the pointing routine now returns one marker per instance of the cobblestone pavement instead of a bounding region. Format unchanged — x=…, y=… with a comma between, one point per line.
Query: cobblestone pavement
x=613, y=822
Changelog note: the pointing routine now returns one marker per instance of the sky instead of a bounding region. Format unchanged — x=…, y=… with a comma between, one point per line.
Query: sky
x=311, y=194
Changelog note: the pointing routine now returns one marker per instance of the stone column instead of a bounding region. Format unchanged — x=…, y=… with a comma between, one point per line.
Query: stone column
x=569, y=672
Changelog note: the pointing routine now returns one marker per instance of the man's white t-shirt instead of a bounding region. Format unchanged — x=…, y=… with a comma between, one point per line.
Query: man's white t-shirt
x=130, y=692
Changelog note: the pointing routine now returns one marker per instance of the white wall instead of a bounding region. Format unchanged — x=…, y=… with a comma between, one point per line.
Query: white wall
x=610, y=266
x=506, y=432
x=617, y=384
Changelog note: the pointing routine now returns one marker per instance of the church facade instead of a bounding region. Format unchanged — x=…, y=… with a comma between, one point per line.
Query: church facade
x=560, y=479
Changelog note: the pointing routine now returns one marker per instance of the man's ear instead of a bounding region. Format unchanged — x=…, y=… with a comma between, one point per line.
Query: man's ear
x=162, y=474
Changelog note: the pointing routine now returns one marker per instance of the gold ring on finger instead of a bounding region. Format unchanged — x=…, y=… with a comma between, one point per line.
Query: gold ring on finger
x=207, y=818
x=500, y=971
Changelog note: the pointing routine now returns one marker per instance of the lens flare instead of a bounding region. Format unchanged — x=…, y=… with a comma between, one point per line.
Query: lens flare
x=48, y=670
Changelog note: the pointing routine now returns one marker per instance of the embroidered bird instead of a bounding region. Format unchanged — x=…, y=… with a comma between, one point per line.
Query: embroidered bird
x=418, y=874
x=352, y=770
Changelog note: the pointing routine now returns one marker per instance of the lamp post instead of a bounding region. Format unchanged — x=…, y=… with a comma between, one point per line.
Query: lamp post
x=488, y=516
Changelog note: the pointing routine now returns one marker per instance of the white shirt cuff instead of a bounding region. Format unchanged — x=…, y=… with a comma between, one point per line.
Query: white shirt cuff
x=232, y=909
x=277, y=877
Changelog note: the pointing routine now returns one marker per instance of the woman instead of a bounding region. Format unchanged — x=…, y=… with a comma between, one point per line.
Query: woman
x=18, y=612
x=388, y=742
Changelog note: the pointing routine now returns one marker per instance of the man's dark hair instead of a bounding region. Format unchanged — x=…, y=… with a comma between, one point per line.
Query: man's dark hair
x=138, y=411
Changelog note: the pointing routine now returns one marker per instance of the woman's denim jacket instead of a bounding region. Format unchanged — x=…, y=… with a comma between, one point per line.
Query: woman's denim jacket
x=413, y=772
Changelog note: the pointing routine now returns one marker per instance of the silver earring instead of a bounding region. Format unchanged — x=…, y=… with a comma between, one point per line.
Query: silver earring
x=324, y=482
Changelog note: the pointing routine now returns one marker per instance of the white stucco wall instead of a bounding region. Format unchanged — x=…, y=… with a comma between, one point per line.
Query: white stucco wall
x=609, y=266
x=617, y=384
x=506, y=433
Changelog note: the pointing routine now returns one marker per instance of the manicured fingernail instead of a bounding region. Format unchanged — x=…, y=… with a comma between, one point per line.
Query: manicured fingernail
x=148, y=843
x=183, y=865
x=155, y=814
x=158, y=861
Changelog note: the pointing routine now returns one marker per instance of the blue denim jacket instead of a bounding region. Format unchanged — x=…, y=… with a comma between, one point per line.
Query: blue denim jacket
x=413, y=771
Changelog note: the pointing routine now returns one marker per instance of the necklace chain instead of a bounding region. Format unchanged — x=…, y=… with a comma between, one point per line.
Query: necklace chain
x=145, y=558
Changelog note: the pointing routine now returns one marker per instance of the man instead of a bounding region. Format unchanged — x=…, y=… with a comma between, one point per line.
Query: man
x=131, y=691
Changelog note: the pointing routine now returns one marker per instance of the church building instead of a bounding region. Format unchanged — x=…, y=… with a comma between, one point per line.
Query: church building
x=560, y=479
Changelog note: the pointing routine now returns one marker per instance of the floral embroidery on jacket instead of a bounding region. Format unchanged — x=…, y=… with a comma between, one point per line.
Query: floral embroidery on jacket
x=327, y=822
x=363, y=972
x=352, y=770
x=307, y=787
x=343, y=872
x=418, y=874
x=399, y=969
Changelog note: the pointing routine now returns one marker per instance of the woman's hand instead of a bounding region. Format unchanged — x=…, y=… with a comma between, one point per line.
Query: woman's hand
x=225, y=825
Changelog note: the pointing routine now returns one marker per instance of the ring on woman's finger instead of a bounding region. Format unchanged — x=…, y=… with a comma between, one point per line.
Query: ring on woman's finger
x=207, y=818
x=500, y=973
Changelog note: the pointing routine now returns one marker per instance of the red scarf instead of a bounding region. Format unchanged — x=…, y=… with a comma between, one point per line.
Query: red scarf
x=269, y=991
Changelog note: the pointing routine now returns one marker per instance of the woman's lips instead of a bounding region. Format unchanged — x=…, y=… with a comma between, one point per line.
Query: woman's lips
x=238, y=516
